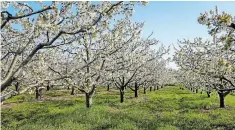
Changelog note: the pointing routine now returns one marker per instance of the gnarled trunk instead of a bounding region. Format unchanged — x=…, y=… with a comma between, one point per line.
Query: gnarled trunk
x=121, y=96
x=222, y=95
x=48, y=86
x=136, y=93
x=88, y=100
x=108, y=87
x=89, y=96
x=73, y=91
x=17, y=87
x=221, y=98
x=145, y=90
x=208, y=94
x=136, y=90
x=150, y=89
x=37, y=93
x=196, y=90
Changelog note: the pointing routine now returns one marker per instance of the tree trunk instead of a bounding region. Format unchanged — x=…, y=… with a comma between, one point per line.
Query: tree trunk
x=221, y=97
x=196, y=90
x=48, y=87
x=73, y=91
x=145, y=90
x=150, y=89
x=37, y=93
x=108, y=87
x=136, y=93
x=208, y=94
x=161, y=86
x=157, y=87
x=121, y=96
x=17, y=87
x=154, y=89
x=136, y=90
x=88, y=100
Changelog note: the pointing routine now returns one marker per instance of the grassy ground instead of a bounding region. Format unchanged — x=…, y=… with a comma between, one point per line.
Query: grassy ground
x=166, y=109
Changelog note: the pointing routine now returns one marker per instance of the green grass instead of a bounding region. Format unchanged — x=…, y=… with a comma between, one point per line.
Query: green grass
x=166, y=109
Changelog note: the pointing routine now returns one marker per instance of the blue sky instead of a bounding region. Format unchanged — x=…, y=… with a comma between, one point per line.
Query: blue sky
x=177, y=20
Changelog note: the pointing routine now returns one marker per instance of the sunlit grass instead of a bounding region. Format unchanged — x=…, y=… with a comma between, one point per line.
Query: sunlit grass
x=166, y=109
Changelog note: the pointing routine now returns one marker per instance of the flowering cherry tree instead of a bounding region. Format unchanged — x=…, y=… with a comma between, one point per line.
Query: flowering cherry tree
x=25, y=32
x=212, y=60
x=92, y=56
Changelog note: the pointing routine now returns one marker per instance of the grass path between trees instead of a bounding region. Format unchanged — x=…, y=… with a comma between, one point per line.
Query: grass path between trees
x=168, y=108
